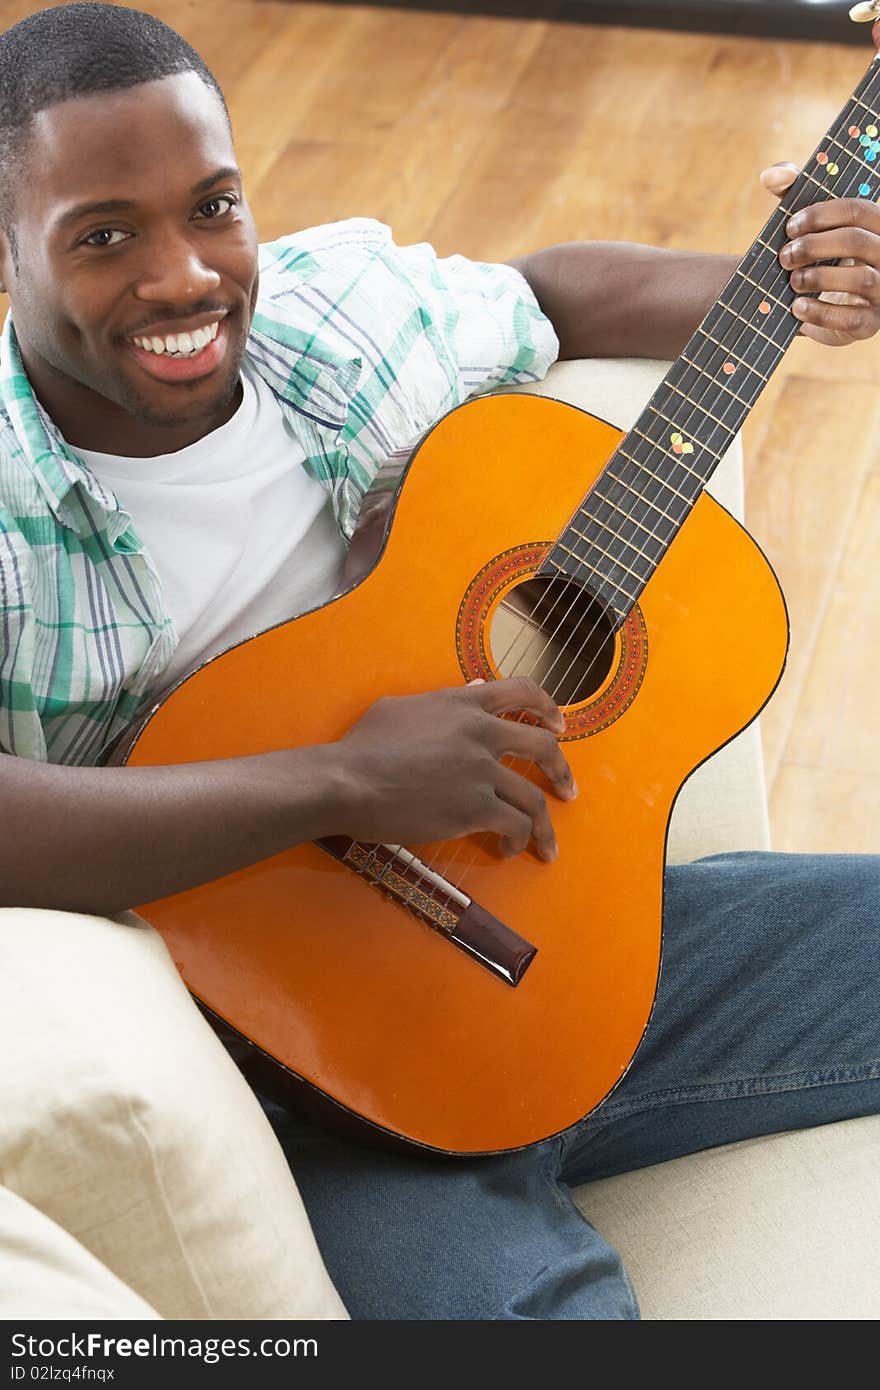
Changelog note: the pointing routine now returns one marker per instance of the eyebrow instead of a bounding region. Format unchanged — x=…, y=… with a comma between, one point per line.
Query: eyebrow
x=123, y=204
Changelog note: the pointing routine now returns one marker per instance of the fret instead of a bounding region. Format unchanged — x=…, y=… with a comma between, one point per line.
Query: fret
x=604, y=583
x=768, y=294
x=696, y=404
x=606, y=501
x=645, y=469
x=701, y=443
x=730, y=352
x=617, y=535
x=753, y=328
x=730, y=405
x=676, y=521
x=716, y=382
x=868, y=108
x=594, y=545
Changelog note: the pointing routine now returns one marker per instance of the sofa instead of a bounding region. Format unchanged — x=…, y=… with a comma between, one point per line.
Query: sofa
x=139, y=1178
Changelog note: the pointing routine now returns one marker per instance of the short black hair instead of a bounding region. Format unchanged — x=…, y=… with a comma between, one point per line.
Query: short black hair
x=74, y=50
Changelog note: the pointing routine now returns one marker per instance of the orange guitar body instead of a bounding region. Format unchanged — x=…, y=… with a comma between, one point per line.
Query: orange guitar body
x=345, y=988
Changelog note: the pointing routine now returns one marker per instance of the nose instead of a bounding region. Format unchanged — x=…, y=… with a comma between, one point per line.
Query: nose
x=174, y=273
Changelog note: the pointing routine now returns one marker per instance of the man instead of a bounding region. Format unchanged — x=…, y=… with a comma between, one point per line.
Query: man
x=163, y=378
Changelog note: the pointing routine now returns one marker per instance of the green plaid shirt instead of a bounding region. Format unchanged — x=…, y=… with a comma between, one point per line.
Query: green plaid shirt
x=365, y=345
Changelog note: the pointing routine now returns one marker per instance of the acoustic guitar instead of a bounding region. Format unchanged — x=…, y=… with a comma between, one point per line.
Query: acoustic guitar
x=437, y=993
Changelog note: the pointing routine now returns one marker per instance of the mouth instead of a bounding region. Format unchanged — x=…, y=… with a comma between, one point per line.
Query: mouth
x=182, y=356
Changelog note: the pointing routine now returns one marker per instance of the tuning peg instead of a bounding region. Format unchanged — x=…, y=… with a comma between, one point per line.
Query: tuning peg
x=865, y=13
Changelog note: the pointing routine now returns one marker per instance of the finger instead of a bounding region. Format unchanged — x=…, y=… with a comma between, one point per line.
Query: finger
x=835, y=213
x=531, y=802
x=530, y=744
x=779, y=177
x=843, y=243
x=861, y=282
x=850, y=322
x=520, y=693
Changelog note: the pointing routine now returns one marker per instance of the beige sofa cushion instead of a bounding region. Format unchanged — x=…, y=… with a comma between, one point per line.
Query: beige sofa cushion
x=124, y=1122
x=768, y=1229
x=45, y=1274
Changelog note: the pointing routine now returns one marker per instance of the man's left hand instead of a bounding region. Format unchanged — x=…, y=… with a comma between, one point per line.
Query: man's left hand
x=848, y=229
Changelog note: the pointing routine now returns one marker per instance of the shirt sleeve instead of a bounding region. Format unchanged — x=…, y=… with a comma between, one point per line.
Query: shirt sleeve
x=21, y=732
x=484, y=317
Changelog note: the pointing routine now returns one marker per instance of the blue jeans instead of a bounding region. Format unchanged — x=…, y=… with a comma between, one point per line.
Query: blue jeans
x=766, y=1019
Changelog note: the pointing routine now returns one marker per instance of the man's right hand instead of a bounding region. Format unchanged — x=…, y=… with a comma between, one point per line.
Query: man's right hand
x=419, y=768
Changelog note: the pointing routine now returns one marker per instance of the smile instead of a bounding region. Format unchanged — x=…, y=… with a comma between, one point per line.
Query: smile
x=180, y=344
x=182, y=356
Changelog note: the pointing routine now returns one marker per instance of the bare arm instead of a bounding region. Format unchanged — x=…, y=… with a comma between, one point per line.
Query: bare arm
x=418, y=768
x=617, y=299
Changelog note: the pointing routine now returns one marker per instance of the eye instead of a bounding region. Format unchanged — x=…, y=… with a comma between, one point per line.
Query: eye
x=102, y=232
x=215, y=202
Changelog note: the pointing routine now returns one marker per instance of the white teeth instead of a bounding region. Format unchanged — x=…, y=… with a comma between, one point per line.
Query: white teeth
x=181, y=344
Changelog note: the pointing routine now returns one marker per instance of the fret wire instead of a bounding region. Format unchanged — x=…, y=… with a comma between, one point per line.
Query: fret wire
x=619, y=563
x=717, y=382
x=642, y=464
x=730, y=352
x=629, y=517
x=780, y=347
x=603, y=579
x=676, y=521
x=855, y=162
x=867, y=108
x=763, y=290
x=766, y=244
x=702, y=409
x=681, y=495
x=618, y=535
x=694, y=472
x=675, y=460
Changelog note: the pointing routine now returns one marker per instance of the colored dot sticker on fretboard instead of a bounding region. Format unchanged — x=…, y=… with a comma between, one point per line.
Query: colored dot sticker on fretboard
x=764, y=307
x=679, y=444
x=729, y=368
x=864, y=190
x=854, y=131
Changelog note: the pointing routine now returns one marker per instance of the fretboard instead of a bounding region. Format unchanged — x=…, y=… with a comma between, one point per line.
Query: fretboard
x=622, y=529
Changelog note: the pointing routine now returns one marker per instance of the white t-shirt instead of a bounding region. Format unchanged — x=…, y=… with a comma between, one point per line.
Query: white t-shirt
x=241, y=536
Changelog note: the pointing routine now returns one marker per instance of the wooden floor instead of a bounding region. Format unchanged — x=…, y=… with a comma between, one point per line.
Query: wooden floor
x=492, y=137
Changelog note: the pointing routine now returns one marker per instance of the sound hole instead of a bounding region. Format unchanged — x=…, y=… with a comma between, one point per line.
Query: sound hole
x=558, y=633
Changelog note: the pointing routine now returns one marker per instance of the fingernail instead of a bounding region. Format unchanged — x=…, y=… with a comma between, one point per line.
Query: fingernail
x=799, y=307
x=574, y=789
x=794, y=224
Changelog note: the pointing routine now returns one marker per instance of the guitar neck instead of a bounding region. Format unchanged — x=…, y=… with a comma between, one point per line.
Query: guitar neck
x=624, y=526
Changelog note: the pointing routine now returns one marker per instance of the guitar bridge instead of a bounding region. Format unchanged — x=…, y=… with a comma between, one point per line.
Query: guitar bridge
x=405, y=879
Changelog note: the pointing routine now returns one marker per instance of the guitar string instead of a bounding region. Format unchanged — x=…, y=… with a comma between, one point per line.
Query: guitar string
x=780, y=214
x=784, y=211
x=779, y=280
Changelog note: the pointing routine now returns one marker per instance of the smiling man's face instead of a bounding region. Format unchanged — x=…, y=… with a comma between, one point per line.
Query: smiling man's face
x=177, y=253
